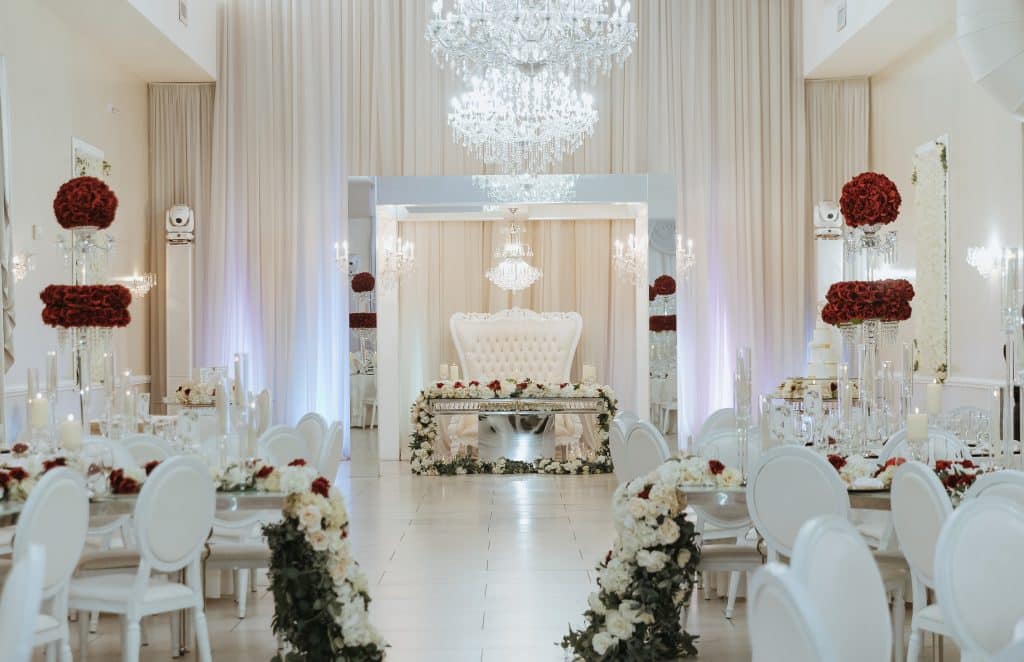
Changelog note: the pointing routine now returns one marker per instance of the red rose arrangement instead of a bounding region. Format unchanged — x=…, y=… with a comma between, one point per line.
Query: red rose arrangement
x=664, y=285
x=85, y=202
x=363, y=282
x=651, y=293
x=86, y=305
x=362, y=320
x=662, y=323
x=321, y=486
x=121, y=484
x=715, y=467
x=853, y=301
x=870, y=199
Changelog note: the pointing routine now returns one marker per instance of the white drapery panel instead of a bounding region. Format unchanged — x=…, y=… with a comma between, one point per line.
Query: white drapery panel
x=713, y=93
x=269, y=285
x=574, y=256
x=838, y=123
x=180, y=161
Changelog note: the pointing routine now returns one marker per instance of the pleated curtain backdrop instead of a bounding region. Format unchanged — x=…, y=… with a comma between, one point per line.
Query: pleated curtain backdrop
x=838, y=125
x=269, y=284
x=180, y=163
x=713, y=93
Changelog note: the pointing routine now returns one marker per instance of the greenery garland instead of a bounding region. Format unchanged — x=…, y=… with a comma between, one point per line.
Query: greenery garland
x=647, y=578
x=320, y=593
x=426, y=429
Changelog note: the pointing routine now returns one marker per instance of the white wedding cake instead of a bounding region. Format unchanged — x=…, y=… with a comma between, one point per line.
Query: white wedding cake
x=825, y=349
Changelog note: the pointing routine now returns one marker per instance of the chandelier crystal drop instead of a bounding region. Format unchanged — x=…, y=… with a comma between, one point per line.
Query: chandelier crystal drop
x=503, y=189
x=520, y=123
x=513, y=272
x=583, y=37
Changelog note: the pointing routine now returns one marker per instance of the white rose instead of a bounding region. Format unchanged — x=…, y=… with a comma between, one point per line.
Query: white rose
x=594, y=600
x=309, y=518
x=603, y=641
x=651, y=561
x=730, y=477
x=683, y=557
x=668, y=532
x=318, y=540
x=618, y=625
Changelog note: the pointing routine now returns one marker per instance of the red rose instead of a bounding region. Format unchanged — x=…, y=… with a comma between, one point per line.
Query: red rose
x=495, y=386
x=321, y=486
x=363, y=282
x=85, y=202
x=715, y=467
x=458, y=385
x=19, y=448
x=837, y=461
x=264, y=471
x=665, y=285
x=362, y=320
x=870, y=199
x=645, y=493
x=297, y=462
x=5, y=479
x=151, y=465
x=967, y=464
x=943, y=465
x=54, y=463
x=474, y=383
x=17, y=473
x=651, y=294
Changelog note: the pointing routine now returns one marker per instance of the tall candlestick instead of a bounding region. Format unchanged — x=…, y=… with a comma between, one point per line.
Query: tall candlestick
x=39, y=412
x=993, y=422
x=917, y=426
x=32, y=382
x=934, y=399
x=51, y=375
x=221, y=402
x=108, y=374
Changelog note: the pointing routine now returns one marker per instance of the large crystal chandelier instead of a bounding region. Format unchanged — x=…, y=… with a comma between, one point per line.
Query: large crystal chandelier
x=513, y=272
x=522, y=123
x=503, y=189
x=579, y=36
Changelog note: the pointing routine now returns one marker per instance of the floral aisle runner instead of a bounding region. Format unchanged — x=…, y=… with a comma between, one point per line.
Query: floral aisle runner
x=931, y=205
x=648, y=576
x=320, y=592
x=426, y=429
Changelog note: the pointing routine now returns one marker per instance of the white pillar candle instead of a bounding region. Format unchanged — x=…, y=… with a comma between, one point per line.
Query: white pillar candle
x=70, y=434
x=453, y=372
x=221, y=402
x=443, y=372
x=917, y=427
x=589, y=373
x=39, y=412
x=934, y=401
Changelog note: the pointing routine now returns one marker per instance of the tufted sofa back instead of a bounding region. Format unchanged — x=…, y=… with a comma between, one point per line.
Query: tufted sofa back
x=517, y=343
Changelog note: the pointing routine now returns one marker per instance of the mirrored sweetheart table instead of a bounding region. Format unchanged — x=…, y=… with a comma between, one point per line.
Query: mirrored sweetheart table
x=124, y=504
x=730, y=503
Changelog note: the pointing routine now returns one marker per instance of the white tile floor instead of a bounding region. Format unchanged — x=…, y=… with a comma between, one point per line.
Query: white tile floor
x=464, y=568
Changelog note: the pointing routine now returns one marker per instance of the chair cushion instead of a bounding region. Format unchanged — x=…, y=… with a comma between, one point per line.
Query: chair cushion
x=930, y=619
x=721, y=555
x=245, y=555
x=120, y=588
x=45, y=622
x=121, y=558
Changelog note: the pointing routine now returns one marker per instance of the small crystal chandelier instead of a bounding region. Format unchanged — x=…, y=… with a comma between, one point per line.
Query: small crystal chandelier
x=522, y=123
x=21, y=264
x=685, y=257
x=630, y=260
x=986, y=260
x=513, y=272
x=138, y=284
x=397, y=258
x=581, y=37
x=503, y=189
x=341, y=256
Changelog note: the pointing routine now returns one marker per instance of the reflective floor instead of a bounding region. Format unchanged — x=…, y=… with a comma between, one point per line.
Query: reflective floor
x=464, y=568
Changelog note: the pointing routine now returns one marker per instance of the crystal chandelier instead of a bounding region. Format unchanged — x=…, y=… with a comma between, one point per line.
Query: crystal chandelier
x=685, y=257
x=513, y=272
x=630, y=260
x=579, y=36
x=138, y=284
x=397, y=259
x=522, y=123
x=503, y=189
x=21, y=264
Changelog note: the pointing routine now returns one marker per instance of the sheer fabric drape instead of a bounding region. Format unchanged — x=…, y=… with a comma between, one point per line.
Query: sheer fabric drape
x=269, y=284
x=838, y=123
x=713, y=93
x=180, y=162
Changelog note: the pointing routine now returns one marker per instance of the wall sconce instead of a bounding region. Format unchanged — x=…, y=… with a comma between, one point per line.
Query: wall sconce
x=138, y=285
x=986, y=260
x=21, y=264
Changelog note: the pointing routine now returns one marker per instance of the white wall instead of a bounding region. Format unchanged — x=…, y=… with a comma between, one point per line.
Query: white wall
x=198, y=39
x=924, y=95
x=60, y=85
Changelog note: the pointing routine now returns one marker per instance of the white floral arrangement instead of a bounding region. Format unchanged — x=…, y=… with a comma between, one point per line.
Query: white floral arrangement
x=200, y=394
x=321, y=595
x=426, y=429
x=648, y=576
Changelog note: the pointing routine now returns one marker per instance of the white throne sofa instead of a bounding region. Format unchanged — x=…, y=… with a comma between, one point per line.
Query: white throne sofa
x=521, y=344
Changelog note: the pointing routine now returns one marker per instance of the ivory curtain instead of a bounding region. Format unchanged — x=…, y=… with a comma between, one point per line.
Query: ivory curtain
x=270, y=286
x=838, y=123
x=180, y=161
x=452, y=257
x=713, y=93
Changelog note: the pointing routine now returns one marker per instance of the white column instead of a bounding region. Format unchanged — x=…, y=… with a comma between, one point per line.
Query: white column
x=643, y=356
x=391, y=410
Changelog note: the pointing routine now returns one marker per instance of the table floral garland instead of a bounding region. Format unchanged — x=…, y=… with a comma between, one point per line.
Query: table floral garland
x=426, y=430
x=648, y=576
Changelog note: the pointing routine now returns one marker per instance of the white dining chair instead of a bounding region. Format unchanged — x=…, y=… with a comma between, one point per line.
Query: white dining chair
x=263, y=405
x=783, y=624
x=942, y=445
x=722, y=419
x=979, y=578
x=173, y=517
x=19, y=605
x=145, y=448
x=920, y=508
x=839, y=574
x=330, y=455
x=1008, y=484
x=618, y=432
x=55, y=517
x=646, y=450
x=313, y=429
x=789, y=486
x=280, y=445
